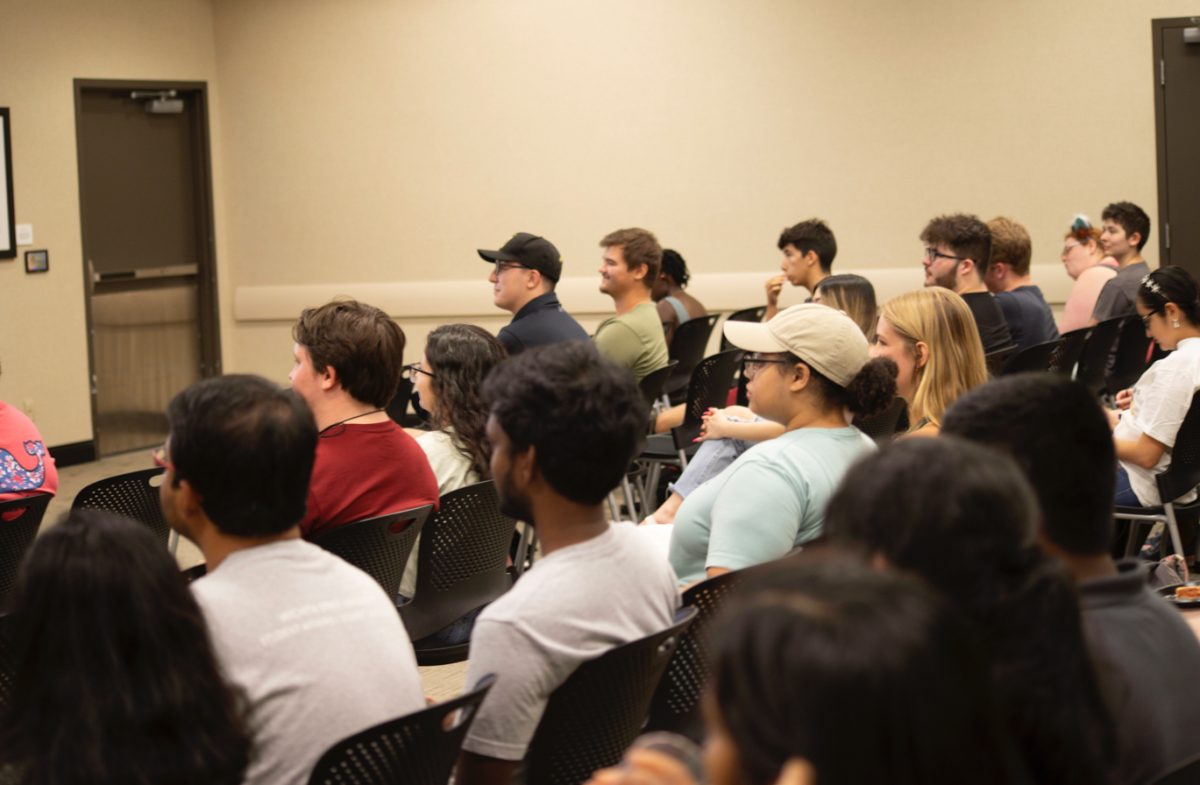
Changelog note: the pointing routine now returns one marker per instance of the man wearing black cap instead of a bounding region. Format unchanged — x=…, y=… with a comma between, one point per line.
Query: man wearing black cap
x=526, y=270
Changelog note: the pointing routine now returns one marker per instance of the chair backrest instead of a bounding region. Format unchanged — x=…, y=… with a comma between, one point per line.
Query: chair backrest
x=597, y=712
x=1032, y=358
x=1183, y=473
x=134, y=495
x=676, y=703
x=755, y=314
x=1131, y=357
x=1070, y=348
x=462, y=559
x=417, y=749
x=996, y=360
x=1093, y=361
x=8, y=665
x=688, y=345
x=397, y=409
x=653, y=383
x=374, y=548
x=16, y=536
x=708, y=387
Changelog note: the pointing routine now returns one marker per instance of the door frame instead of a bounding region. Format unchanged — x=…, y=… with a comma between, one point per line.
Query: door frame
x=1157, y=28
x=208, y=310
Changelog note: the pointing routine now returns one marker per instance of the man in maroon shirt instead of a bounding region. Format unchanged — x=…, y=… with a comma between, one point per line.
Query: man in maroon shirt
x=348, y=362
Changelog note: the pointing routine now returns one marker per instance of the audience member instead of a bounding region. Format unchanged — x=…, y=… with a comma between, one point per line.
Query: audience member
x=629, y=267
x=932, y=338
x=527, y=269
x=1087, y=265
x=675, y=306
x=806, y=368
x=1126, y=229
x=315, y=643
x=962, y=517
x=808, y=251
x=115, y=681
x=1057, y=434
x=349, y=360
x=816, y=671
x=957, y=250
x=1029, y=318
x=449, y=382
x=26, y=466
x=853, y=295
x=564, y=426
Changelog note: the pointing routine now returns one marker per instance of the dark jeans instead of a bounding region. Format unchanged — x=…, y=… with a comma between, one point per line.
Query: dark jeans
x=1125, y=497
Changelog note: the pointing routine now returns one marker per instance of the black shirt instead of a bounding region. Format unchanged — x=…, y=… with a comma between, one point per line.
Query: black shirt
x=993, y=329
x=541, y=321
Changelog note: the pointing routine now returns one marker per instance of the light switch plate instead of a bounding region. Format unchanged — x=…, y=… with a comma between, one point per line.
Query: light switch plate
x=24, y=234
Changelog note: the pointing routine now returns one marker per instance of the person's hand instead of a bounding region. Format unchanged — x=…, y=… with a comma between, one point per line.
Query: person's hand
x=774, y=287
x=1114, y=417
x=644, y=767
x=1124, y=398
x=713, y=425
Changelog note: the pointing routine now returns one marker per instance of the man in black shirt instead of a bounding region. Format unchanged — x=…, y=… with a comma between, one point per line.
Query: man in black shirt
x=957, y=250
x=525, y=272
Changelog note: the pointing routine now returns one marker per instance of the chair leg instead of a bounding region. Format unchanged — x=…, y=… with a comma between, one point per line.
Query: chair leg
x=1131, y=540
x=1173, y=528
x=630, y=500
x=612, y=509
x=173, y=542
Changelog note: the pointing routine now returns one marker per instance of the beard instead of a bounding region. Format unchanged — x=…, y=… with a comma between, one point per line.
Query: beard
x=511, y=502
x=948, y=280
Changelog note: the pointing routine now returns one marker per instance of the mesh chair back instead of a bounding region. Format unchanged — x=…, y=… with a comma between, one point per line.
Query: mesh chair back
x=744, y=315
x=1093, y=362
x=653, y=383
x=418, y=749
x=709, y=387
x=374, y=548
x=883, y=426
x=134, y=495
x=1131, y=357
x=1070, y=348
x=1032, y=358
x=1183, y=473
x=462, y=560
x=996, y=360
x=676, y=703
x=597, y=712
x=8, y=665
x=687, y=348
x=16, y=536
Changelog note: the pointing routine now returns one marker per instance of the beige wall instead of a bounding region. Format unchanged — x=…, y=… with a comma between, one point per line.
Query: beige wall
x=366, y=146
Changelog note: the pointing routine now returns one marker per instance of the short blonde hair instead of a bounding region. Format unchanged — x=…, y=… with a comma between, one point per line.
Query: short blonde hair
x=941, y=320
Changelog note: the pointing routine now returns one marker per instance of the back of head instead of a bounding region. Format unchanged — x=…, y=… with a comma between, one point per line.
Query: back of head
x=1129, y=217
x=811, y=235
x=461, y=356
x=854, y=296
x=1171, y=285
x=640, y=249
x=941, y=320
x=247, y=448
x=965, y=235
x=675, y=268
x=1010, y=244
x=116, y=680
x=825, y=662
x=362, y=344
x=583, y=415
x=1060, y=438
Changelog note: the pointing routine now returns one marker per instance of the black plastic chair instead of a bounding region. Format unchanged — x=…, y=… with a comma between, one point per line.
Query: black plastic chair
x=687, y=349
x=1093, y=361
x=592, y=718
x=996, y=360
x=17, y=535
x=1187, y=773
x=374, y=548
x=1131, y=357
x=461, y=567
x=1036, y=358
x=676, y=703
x=418, y=749
x=1181, y=477
x=654, y=383
x=134, y=495
x=755, y=314
x=1070, y=349
x=8, y=665
x=397, y=409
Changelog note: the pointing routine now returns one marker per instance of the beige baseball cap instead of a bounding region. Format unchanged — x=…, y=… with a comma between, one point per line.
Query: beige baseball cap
x=823, y=337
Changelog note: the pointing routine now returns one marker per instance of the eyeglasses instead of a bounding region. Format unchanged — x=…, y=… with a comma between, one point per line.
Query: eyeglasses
x=502, y=266
x=411, y=371
x=933, y=254
x=1146, y=319
x=753, y=363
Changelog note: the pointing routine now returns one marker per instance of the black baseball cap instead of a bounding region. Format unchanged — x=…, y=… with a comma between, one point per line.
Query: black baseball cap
x=529, y=250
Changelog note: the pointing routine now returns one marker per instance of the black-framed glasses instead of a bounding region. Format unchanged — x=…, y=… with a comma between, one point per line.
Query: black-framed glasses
x=411, y=371
x=933, y=254
x=753, y=363
x=1146, y=319
x=502, y=266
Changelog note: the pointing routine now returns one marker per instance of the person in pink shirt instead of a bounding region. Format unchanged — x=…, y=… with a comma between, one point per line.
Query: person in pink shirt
x=26, y=467
x=1085, y=262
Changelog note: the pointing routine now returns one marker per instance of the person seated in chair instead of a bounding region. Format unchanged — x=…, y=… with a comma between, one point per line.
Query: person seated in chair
x=564, y=426
x=675, y=305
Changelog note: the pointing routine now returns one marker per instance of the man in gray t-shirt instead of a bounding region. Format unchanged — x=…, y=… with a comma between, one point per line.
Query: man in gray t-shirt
x=1126, y=229
x=564, y=425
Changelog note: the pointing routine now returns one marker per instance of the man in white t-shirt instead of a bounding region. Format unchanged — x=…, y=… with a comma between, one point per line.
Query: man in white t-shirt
x=315, y=644
x=564, y=425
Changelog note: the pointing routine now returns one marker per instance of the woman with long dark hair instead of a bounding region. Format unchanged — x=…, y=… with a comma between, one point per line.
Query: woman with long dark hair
x=115, y=680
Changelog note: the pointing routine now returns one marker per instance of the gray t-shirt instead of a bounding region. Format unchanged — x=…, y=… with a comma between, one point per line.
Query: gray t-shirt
x=1118, y=296
x=316, y=645
x=571, y=606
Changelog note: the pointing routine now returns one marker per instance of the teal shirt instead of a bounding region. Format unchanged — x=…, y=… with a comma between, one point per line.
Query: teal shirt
x=763, y=505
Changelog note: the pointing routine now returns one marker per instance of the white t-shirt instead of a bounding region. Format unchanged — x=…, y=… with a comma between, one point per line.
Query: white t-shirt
x=1161, y=400
x=316, y=645
x=571, y=606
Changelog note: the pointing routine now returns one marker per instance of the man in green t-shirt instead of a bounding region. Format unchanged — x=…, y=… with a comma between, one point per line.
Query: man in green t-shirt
x=634, y=337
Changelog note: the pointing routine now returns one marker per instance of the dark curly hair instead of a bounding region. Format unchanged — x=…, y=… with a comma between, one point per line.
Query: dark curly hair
x=583, y=414
x=461, y=356
x=965, y=235
x=675, y=268
x=115, y=682
x=1131, y=218
x=867, y=394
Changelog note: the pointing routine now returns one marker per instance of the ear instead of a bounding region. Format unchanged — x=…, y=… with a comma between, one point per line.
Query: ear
x=966, y=266
x=797, y=771
x=535, y=280
x=802, y=375
x=640, y=274
x=1171, y=311
x=811, y=258
x=187, y=500
x=1134, y=239
x=524, y=466
x=329, y=378
x=997, y=271
x=921, y=353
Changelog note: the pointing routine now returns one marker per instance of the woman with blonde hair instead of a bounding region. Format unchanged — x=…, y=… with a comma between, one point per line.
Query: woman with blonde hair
x=853, y=295
x=931, y=336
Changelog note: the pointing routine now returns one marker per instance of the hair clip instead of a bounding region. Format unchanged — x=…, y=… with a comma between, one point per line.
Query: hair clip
x=1081, y=223
x=1152, y=285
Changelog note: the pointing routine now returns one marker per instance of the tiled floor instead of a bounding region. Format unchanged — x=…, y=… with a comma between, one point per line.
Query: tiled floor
x=440, y=682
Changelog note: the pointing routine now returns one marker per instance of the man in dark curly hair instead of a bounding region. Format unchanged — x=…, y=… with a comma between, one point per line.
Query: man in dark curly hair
x=957, y=251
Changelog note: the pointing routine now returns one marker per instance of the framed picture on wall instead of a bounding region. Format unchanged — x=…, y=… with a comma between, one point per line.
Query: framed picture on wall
x=8, y=229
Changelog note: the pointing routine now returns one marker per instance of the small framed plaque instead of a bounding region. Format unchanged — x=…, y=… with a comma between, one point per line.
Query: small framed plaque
x=37, y=261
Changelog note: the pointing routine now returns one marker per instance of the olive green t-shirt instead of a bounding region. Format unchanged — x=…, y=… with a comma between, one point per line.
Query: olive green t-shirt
x=634, y=339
